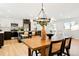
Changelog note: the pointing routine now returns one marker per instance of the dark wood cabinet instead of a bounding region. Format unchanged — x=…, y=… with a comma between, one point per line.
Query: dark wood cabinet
x=14, y=34
x=1, y=39
x=7, y=35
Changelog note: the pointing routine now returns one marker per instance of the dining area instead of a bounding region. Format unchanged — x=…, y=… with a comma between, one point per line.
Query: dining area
x=48, y=47
x=44, y=44
x=39, y=30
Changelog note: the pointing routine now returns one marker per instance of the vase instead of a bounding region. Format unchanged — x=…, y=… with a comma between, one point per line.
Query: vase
x=43, y=33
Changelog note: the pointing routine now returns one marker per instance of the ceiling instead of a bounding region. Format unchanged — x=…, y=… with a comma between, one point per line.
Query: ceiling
x=30, y=10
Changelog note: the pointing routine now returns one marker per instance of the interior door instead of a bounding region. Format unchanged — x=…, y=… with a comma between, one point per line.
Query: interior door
x=26, y=25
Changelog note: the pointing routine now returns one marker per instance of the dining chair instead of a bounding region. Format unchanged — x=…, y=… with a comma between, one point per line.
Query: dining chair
x=56, y=47
x=67, y=46
x=30, y=34
x=33, y=33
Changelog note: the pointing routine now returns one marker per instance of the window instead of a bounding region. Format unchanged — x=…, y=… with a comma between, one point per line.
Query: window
x=67, y=25
x=71, y=25
x=38, y=27
x=51, y=27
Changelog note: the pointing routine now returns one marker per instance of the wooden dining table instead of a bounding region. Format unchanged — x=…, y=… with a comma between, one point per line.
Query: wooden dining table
x=35, y=43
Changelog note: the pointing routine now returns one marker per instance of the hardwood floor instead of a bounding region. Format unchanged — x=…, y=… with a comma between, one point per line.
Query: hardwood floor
x=74, y=51
x=13, y=48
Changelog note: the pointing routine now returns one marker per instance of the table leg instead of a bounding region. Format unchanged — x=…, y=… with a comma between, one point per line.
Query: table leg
x=29, y=52
x=44, y=51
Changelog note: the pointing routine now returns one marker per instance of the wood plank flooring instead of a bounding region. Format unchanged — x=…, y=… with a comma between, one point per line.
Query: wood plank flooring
x=13, y=48
x=74, y=51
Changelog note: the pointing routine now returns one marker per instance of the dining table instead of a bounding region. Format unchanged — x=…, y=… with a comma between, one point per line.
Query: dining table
x=35, y=43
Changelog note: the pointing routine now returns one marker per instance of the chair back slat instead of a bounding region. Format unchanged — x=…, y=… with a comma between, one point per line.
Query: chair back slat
x=56, y=47
x=68, y=42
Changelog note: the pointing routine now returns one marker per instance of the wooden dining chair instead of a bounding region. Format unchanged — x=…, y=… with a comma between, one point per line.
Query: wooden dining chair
x=67, y=45
x=56, y=47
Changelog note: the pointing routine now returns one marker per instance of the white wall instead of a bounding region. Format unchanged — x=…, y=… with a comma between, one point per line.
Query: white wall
x=60, y=27
x=11, y=13
x=5, y=23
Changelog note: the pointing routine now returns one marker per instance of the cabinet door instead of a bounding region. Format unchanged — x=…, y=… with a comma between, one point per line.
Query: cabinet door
x=1, y=39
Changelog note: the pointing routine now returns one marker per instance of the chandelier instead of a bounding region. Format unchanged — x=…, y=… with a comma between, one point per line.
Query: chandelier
x=43, y=20
x=42, y=17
